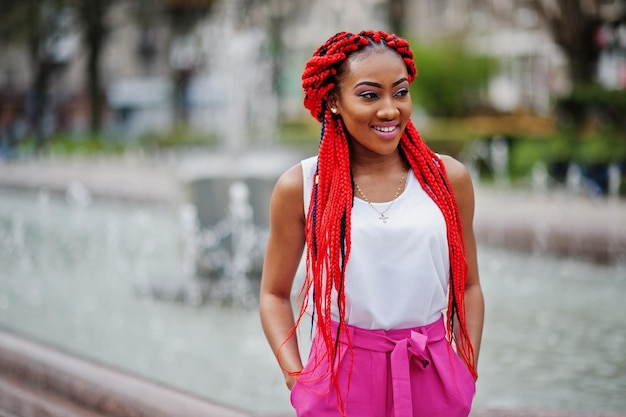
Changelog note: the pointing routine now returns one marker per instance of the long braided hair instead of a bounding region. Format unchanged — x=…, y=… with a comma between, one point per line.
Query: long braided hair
x=329, y=213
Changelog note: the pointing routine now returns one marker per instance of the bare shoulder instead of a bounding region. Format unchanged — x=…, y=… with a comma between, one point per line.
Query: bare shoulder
x=457, y=172
x=459, y=177
x=291, y=181
x=288, y=192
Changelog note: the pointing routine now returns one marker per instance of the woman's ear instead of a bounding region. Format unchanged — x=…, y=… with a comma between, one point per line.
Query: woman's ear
x=332, y=103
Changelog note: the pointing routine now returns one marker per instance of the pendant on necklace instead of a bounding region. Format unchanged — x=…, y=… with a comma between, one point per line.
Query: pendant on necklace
x=382, y=216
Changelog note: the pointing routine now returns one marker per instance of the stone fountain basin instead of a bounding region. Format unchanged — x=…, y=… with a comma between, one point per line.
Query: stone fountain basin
x=37, y=380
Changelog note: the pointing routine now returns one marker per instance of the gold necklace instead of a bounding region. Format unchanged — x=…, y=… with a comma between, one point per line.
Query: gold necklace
x=381, y=214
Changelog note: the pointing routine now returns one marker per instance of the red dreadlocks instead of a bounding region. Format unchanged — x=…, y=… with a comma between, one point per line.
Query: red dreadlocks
x=328, y=219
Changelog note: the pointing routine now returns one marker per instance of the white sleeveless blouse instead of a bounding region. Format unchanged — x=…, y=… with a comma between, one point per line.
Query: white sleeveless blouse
x=398, y=272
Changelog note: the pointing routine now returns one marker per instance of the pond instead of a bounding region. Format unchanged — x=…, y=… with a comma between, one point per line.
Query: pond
x=78, y=274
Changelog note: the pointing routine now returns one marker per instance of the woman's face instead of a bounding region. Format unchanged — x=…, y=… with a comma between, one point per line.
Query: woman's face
x=374, y=101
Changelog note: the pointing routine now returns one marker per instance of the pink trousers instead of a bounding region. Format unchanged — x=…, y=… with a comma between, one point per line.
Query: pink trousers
x=396, y=373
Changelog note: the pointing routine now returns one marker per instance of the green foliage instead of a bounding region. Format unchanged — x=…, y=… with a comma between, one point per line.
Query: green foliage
x=110, y=144
x=525, y=152
x=591, y=101
x=299, y=131
x=180, y=136
x=561, y=146
x=603, y=147
x=69, y=145
x=565, y=146
x=450, y=79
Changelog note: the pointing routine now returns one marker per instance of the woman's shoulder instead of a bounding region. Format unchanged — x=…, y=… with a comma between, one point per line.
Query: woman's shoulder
x=287, y=205
x=460, y=179
x=458, y=174
x=290, y=181
x=297, y=176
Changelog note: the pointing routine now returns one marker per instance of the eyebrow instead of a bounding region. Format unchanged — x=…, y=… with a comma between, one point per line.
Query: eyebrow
x=378, y=85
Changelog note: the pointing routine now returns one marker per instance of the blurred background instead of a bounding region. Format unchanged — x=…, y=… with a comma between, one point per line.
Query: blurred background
x=140, y=141
x=96, y=76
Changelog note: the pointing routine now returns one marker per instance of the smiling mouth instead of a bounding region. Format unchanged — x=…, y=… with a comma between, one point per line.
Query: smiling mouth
x=386, y=129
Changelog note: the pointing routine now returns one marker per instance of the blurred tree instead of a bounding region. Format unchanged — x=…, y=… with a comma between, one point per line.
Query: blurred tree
x=450, y=79
x=145, y=14
x=185, y=56
x=591, y=117
x=38, y=24
x=573, y=27
x=280, y=13
x=92, y=15
x=41, y=24
x=185, y=14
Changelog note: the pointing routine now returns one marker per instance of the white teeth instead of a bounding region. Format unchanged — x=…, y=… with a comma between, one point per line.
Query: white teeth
x=385, y=129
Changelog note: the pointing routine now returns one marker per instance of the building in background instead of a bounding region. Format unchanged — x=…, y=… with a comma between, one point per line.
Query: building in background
x=232, y=68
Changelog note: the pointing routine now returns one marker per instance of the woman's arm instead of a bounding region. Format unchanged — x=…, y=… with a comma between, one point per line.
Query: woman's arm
x=283, y=254
x=461, y=183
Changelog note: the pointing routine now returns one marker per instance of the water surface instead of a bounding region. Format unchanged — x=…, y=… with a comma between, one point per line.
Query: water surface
x=74, y=274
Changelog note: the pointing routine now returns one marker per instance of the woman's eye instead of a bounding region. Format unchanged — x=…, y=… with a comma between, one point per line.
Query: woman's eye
x=402, y=92
x=369, y=95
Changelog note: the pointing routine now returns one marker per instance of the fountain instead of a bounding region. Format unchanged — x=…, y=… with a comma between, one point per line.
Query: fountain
x=95, y=276
x=499, y=160
x=221, y=263
x=100, y=272
x=230, y=188
x=225, y=209
x=490, y=155
x=71, y=273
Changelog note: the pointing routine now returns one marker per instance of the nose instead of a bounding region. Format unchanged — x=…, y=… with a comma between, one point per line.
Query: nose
x=388, y=109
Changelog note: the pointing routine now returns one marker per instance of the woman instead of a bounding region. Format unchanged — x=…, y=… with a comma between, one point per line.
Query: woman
x=391, y=273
